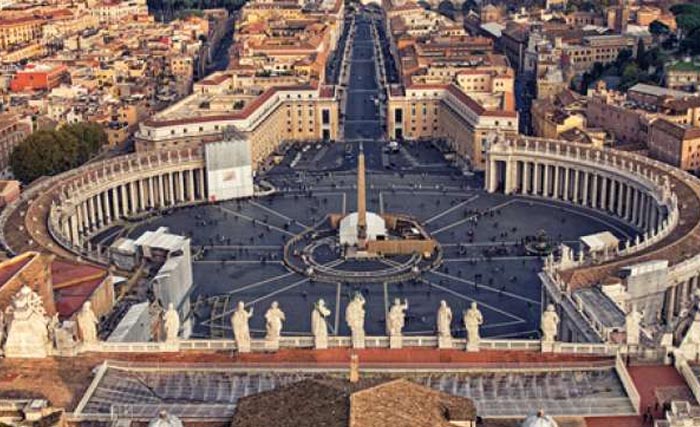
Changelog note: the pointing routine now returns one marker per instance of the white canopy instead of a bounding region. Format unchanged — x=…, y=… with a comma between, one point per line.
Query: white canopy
x=598, y=242
x=376, y=227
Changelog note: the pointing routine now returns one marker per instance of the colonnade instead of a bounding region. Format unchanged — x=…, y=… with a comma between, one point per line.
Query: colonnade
x=636, y=189
x=582, y=176
x=620, y=197
x=98, y=197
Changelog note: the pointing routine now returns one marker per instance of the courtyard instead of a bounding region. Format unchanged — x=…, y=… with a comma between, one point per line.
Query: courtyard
x=238, y=245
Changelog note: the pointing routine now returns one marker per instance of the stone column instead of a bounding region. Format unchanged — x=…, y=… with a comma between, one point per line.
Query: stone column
x=603, y=201
x=567, y=173
x=202, y=188
x=576, y=193
x=151, y=192
x=142, y=195
x=79, y=217
x=98, y=207
x=525, y=178
x=635, y=206
x=670, y=303
x=93, y=214
x=611, y=198
x=491, y=183
x=556, y=182
x=190, y=185
x=595, y=195
x=628, y=202
x=693, y=285
x=64, y=225
x=651, y=207
x=682, y=295
x=545, y=187
x=105, y=205
x=536, y=179
x=643, y=210
x=586, y=175
x=85, y=218
x=181, y=186
x=133, y=198
x=620, y=199
x=74, y=234
x=510, y=175
x=161, y=194
x=114, y=200
x=125, y=200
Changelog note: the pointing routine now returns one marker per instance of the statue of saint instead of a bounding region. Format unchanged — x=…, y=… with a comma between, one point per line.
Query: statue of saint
x=171, y=323
x=87, y=323
x=355, y=316
x=318, y=323
x=52, y=327
x=549, y=324
x=397, y=318
x=473, y=319
x=273, y=322
x=27, y=326
x=239, y=323
x=632, y=329
x=444, y=319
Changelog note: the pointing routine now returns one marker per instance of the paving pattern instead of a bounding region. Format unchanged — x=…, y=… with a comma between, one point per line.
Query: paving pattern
x=238, y=245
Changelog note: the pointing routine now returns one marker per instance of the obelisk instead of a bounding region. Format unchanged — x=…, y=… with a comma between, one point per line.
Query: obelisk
x=361, y=202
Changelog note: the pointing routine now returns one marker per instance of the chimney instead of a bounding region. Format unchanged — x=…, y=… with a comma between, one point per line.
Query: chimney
x=354, y=368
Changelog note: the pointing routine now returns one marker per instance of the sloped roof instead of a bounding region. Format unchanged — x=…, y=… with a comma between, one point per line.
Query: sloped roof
x=402, y=403
x=333, y=402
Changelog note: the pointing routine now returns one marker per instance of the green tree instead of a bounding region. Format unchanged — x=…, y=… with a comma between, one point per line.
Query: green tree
x=658, y=28
x=631, y=75
x=642, y=55
x=49, y=152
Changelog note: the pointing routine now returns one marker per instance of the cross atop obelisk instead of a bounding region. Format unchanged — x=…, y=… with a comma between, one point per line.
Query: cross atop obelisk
x=361, y=201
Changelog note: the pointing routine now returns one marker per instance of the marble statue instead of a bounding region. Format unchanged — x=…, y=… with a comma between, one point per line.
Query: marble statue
x=171, y=323
x=473, y=319
x=549, y=324
x=319, y=328
x=52, y=327
x=274, y=317
x=27, y=326
x=397, y=318
x=355, y=318
x=87, y=323
x=239, y=323
x=444, y=320
x=632, y=328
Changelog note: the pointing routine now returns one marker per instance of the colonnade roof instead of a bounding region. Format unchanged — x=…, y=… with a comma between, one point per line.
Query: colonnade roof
x=682, y=243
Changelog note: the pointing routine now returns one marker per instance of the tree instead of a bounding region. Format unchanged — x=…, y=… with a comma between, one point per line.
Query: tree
x=641, y=55
x=447, y=9
x=658, y=28
x=49, y=152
